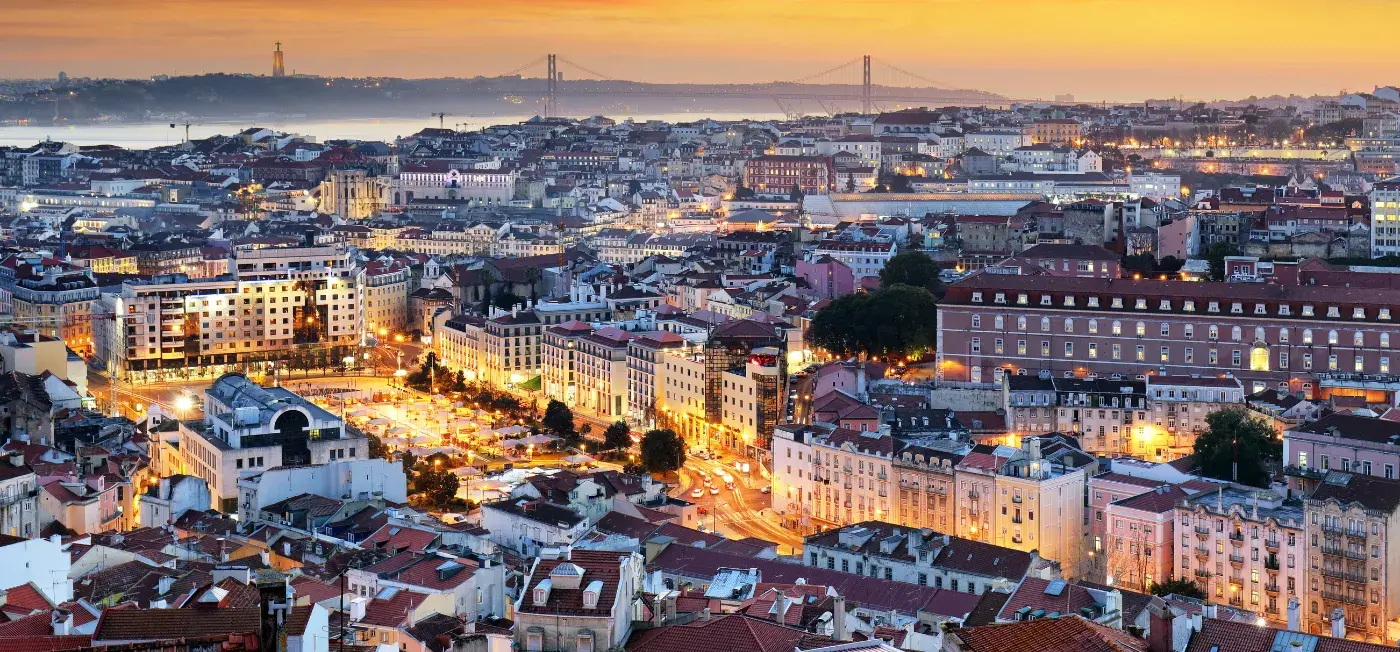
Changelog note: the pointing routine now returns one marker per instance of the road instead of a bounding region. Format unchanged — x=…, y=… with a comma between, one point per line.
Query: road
x=743, y=511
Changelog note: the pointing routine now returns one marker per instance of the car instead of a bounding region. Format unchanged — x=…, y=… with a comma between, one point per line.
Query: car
x=697, y=493
x=765, y=489
x=731, y=486
x=701, y=510
x=714, y=491
x=703, y=474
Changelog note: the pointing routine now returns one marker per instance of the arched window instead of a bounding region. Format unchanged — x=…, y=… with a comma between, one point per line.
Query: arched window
x=1331, y=337
x=1045, y=324
x=1093, y=325
x=1307, y=336
x=1214, y=332
x=1259, y=333
x=1259, y=358
x=1069, y=325
x=1117, y=327
x=1236, y=333
x=1141, y=329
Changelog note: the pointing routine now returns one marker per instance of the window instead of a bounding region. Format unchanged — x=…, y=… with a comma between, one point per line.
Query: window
x=1214, y=356
x=1141, y=353
x=1332, y=363
x=1307, y=361
x=1069, y=325
x=1189, y=355
x=585, y=642
x=1021, y=323
x=1283, y=335
x=1020, y=347
x=1385, y=365
x=1358, y=339
x=1045, y=348
x=534, y=641
x=1093, y=325
x=1117, y=327
x=1282, y=359
x=1045, y=324
x=998, y=346
x=1235, y=358
x=999, y=321
x=1069, y=349
x=1117, y=351
x=1093, y=350
x=1331, y=337
x=1166, y=329
x=1259, y=358
x=1307, y=336
x=1190, y=331
x=1236, y=334
x=1213, y=332
x=976, y=345
x=1359, y=363
x=1141, y=329
x=977, y=321
x=1166, y=354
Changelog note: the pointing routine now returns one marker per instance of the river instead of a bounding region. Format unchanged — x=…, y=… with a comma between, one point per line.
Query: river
x=140, y=135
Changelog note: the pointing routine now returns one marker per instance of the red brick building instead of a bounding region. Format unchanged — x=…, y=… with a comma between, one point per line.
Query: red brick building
x=813, y=175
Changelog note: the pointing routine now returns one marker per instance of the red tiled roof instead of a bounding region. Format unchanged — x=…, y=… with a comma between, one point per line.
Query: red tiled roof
x=394, y=611
x=597, y=565
x=156, y=624
x=727, y=632
x=26, y=596
x=1067, y=634
x=45, y=643
x=398, y=538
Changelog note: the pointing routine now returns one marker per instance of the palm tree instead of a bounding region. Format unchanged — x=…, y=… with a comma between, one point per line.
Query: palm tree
x=532, y=276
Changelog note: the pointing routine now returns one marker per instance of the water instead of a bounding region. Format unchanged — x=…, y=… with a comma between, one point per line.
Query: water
x=139, y=135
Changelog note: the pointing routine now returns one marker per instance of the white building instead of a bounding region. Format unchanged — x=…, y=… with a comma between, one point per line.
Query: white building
x=998, y=142
x=1155, y=185
x=1385, y=218
x=19, y=498
x=42, y=562
x=172, y=496
x=357, y=479
x=864, y=258
x=527, y=525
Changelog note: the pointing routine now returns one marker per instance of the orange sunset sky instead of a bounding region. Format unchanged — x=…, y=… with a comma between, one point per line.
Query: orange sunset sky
x=1095, y=49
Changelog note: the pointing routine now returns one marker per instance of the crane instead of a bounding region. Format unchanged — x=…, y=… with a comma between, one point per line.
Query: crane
x=187, y=126
x=440, y=117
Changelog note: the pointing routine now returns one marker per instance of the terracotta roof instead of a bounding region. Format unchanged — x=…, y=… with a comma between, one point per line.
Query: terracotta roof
x=734, y=632
x=45, y=643
x=1158, y=500
x=155, y=624
x=1067, y=634
x=392, y=611
x=597, y=565
x=397, y=538
x=1371, y=491
x=1228, y=636
x=26, y=596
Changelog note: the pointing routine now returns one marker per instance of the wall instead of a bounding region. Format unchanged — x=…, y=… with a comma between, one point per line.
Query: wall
x=964, y=399
x=42, y=562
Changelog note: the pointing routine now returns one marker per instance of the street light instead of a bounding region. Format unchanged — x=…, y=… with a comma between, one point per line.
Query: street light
x=183, y=403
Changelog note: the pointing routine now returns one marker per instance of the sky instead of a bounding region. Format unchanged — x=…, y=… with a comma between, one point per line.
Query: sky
x=1124, y=50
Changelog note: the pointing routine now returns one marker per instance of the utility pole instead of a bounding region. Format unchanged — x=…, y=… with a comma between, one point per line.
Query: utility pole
x=551, y=105
x=865, y=89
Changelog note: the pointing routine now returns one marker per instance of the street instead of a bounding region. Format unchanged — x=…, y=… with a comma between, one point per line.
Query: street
x=735, y=513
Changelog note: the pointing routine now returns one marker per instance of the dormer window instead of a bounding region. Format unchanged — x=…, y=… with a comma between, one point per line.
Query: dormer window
x=1165, y=305
x=591, y=593
x=1332, y=312
x=1023, y=299
x=1117, y=302
x=1093, y=302
x=1307, y=310
x=1358, y=313
x=1140, y=304
x=999, y=298
x=1284, y=310
x=1044, y=299
x=1188, y=306
x=541, y=593
x=1260, y=309
x=1236, y=308
x=977, y=297
x=1213, y=306
x=1069, y=301
x=1384, y=314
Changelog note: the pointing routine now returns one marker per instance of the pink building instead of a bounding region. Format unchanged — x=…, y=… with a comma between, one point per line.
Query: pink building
x=1178, y=238
x=1105, y=489
x=1316, y=340
x=1342, y=442
x=1140, y=537
x=829, y=278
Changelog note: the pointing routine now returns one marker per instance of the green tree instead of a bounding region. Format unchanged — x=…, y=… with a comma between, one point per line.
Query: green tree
x=409, y=460
x=505, y=300
x=911, y=268
x=897, y=321
x=559, y=419
x=796, y=193
x=1215, y=255
x=1179, y=586
x=439, y=486
x=617, y=436
x=377, y=449
x=1235, y=437
x=662, y=451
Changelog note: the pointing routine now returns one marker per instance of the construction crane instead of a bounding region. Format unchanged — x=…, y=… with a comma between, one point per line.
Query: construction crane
x=187, y=126
x=440, y=117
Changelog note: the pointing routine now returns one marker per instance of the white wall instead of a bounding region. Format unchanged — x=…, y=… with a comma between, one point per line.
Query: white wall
x=331, y=480
x=40, y=561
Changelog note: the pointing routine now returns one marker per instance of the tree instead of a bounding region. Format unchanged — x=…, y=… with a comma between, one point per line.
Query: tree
x=408, y=463
x=634, y=187
x=1179, y=586
x=439, y=485
x=1236, y=437
x=662, y=451
x=796, y=193
x=898, y=321
x=1216, y=256
x=742, y=192
x=377, y=449
x=505, y=300
x=911, y=268
x=559, y=419
x=617, y=436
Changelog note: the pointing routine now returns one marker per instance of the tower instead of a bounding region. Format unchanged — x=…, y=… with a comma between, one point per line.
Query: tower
x=865, y=89
x=279, y=68
x=551, y=105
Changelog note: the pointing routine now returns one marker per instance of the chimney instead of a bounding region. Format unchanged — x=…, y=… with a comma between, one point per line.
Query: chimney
x=1339, y=623
x=780, y=607
x=838, y=618
x=16, y=458
x=658, y=611
x=1113, y=604
x=1294, y=614
x=56, y=540
x=669, y=605
x=1159, y=625
x=240, y=574
x=164, y=583
x=61, y=621
x=916, y=539
x=357, y=609
x=706, y=614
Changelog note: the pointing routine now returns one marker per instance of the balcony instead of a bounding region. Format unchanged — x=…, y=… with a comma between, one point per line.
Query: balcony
x=1202, y=532
x=1202, y=573
x=1237, y=560
x=1016, y=540
x=1271, y=588
x=1356, y=534
x=1271, y=563
x=1331, y=551
x=1271, y=545
x=1331, y=528
x=1237, y=538
x=1237, y=601
x=972, y=493
x=1237, y=581
x=1016, y=499
x=1203, y=553
x=1343, y=597
x=1016, y=519
x=1344, y=575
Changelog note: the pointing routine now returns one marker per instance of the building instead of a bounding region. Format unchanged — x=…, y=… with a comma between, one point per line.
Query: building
x=926, y=485
x=863, y=258
x=602, y=373
x=386, y=298
x=578, y=601
x=1385, y=218
x=1313, y=340
x=559, y=348
x=248, y=429
x=528, y=525
x=1343, y=442
x=51, y=297
x=19, y=498
x=356, y=477
x=444, y=180
x=42, y=563
x=1139, y=542
x=1351, y=526
x=274, y=301
x=1057, y=131
x=172, y=496
x=773, y=174
x=730, y=347
x=1085, y=261
x=919, y=556
x=752, y=401
x=352, y=194
x=647, y=354
x=1109, y=416
x=1179, y=406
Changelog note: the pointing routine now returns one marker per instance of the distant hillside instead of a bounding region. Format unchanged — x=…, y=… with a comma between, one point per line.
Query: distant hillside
x=238, y=96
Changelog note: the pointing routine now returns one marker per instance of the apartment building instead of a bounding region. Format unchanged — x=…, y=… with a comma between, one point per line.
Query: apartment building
x=439, y=180
x=386, y=298
x=1313, y=340
x=559, y=347
x=1058, y=131
x=1108, y=415
x=512, y=347
x=850, y=475
x=52, y=297
x=680, y=395
x=1179, y=405
x=1351, y=526
x=19, y=498
x=752, y=401
x=772, y=174
x=602, y=372
x=1103, y=490
x=920, y=556
x=1385, y=218
x=865, y=258
x=1244, y=546
x=458, y=342
x=644, y=355
x=278, y=300
x=926, y=482
x=1342, y=442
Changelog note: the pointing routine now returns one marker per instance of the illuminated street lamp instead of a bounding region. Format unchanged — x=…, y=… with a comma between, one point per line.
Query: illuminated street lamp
x=182, y=404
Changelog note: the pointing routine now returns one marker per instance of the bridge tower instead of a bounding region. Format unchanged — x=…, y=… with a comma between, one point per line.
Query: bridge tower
x=551, y=103
x=865, y=89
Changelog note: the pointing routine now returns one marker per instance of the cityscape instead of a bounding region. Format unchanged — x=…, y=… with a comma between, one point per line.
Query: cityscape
x=541, y=359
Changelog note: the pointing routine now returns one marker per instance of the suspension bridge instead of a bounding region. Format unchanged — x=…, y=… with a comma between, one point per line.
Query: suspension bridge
x=873, y=83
